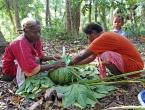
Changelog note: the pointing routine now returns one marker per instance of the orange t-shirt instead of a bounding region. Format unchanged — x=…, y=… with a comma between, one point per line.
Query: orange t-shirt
x=110, y=41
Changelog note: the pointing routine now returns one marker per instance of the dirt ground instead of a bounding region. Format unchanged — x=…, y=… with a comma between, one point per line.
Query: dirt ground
x=125, y=95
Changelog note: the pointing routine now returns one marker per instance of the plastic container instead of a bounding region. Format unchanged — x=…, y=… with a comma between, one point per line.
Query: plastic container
x=141, y=98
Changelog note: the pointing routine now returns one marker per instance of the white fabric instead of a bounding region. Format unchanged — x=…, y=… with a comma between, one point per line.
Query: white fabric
x=0, y=63
x=20, y=76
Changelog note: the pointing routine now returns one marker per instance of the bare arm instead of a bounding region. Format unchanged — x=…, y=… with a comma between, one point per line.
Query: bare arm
x=81, y=56
x=88, y=60
x=46, y=58
x=45, y=67
x=57, y=64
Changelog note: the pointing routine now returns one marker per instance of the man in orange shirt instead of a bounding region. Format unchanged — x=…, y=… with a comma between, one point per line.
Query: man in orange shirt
x=114, y=52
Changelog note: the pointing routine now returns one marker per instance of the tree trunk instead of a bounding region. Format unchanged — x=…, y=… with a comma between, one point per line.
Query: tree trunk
x=15, y=4
x=47, y=18
x=96, y=10
x=10, y=14
x=68, y=20
x=60, y=11
x=103, y=17
x=90, y=10
x=74, y=18
x=143, y=15
x=55, y=10
x=111, y=15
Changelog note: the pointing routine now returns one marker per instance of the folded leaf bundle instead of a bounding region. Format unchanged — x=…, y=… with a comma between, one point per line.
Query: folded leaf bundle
x=33, y=85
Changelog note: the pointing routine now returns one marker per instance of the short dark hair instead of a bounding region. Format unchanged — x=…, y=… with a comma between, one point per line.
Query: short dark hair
x=119, y=16
x=92, y=26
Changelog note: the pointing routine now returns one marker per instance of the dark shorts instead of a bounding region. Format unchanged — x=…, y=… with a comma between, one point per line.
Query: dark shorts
x=6, y=77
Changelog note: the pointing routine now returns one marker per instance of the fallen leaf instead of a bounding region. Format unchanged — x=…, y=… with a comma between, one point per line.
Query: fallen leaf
x=48, y=104
x=36, y=104
x=98, y=106
x=15, y=99
x=6, y=94
x=49, y=93
x=60, y=104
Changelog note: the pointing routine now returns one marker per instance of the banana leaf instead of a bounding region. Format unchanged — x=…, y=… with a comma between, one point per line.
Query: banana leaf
x=33, y=85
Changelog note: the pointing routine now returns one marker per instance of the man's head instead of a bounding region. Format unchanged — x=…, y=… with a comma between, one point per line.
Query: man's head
x=31, y=28
x=92, y=30
x=118, y=21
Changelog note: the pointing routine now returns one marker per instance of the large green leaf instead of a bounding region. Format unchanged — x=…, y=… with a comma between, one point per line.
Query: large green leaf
x=62, y=89
x=28, y=83
x=76, y=93
x=33, y=85
x=98, y=95
x=69, y=97
x=90, y=95
x=81, y=92
x=22, y=87
x=101, y=89
x=110, y=88
x=30, y=88
x=91, y=103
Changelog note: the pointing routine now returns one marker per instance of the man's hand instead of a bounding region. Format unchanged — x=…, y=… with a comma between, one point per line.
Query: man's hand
x=56, y=57
x=58, y=64
x=70, y=63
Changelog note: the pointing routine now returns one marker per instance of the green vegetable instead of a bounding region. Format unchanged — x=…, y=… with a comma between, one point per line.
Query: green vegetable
x=34, y=85
x=62, y=75
x=22, y=87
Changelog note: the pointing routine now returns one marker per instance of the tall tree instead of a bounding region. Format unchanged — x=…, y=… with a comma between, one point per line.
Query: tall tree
x=17, y=19
x=10, y=14
x=96, y=10
x=143, y=14
x=90, y=10
x=47, y=16
x=103, y=17
x=73, y=17
x=68, y=19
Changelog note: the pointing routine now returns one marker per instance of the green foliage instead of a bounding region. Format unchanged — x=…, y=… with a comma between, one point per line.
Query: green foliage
x=135, y=30
x=33, y=85
x=52, y=32
x=26, y=7
x=70, y=74
x=9, y=34
x=36, y=8
x=56, y=31
x=39, y=10
x=76, y=94
x=85, y=8
x=81, y=95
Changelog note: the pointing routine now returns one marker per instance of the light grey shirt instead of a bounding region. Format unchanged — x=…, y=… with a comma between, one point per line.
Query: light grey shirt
x=120, y=31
